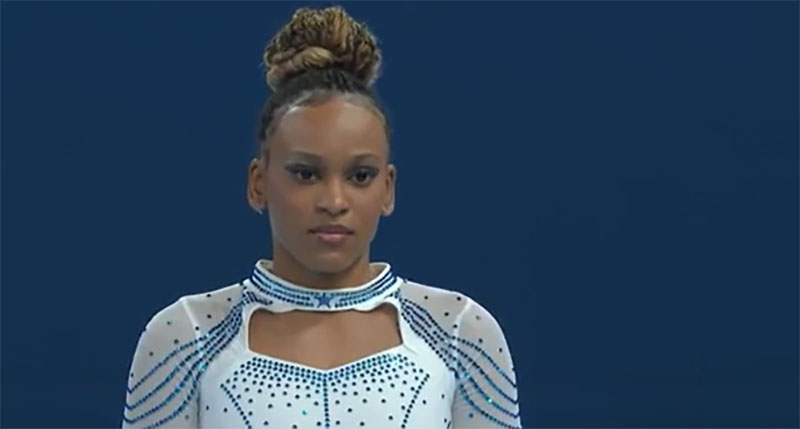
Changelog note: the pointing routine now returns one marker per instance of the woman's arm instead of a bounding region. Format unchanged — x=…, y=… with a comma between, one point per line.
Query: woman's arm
x=163, y=388
x=486, y=389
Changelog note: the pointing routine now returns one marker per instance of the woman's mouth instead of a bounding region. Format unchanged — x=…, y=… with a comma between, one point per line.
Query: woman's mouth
x=332, y=234
x=329, y=238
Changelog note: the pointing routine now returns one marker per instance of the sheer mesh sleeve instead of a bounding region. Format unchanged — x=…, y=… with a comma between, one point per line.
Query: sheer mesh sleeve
x=486, y=389
x=473, y=347
x=162, y=385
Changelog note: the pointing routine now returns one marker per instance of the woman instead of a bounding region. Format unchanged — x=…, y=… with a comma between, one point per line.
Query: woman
x=319, y=336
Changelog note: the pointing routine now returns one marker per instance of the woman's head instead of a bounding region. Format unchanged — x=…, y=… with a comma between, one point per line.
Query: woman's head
x=323, y=154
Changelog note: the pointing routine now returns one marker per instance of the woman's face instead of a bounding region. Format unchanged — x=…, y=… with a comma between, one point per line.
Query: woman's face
x=327, y=165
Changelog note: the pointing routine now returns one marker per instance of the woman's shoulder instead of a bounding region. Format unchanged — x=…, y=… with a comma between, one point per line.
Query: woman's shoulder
x=168, y=354
x=451, y=309
x=469, y=340
x=196, y=312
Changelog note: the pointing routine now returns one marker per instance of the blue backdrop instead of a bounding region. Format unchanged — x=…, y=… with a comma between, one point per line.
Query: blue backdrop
x=616, y=181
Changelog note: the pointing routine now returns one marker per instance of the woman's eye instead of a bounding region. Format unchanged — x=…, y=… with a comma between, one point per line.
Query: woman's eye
x=304, y=174
x=363, y=176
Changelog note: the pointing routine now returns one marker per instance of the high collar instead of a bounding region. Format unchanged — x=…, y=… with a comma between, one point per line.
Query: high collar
x=280, y=295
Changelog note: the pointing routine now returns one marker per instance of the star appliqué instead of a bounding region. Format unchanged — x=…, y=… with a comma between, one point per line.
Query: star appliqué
x=324, y=299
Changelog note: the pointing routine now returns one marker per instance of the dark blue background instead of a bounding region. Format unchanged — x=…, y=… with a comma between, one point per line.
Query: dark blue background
x=616, y=181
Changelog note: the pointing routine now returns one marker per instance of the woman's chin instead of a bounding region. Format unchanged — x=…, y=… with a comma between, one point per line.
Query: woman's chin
x=330, y=262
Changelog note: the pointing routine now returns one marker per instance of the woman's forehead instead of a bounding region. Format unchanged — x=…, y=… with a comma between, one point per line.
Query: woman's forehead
x=333, y=129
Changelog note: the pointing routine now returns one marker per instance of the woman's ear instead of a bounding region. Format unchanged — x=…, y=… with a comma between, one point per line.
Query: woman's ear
x=389, y=196
x=256, y=181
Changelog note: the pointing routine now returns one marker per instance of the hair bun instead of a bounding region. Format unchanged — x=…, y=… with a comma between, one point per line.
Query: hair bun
x=320, y=39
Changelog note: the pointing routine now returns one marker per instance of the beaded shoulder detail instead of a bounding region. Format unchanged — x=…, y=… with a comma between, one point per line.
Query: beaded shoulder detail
x=471, y=343
x=174, y=350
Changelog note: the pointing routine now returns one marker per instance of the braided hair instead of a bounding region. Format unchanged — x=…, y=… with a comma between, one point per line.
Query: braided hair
x=319, y=54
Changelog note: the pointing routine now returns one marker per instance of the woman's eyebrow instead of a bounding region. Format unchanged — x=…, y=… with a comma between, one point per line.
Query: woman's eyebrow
x=365, y=156
x=319, y=159
x=305, y=155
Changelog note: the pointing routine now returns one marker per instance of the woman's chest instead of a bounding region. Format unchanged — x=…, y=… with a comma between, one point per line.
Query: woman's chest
x=323, y=340
x=395, y=389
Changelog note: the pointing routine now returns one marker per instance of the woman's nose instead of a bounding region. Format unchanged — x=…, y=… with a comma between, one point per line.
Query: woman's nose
x=333, y=199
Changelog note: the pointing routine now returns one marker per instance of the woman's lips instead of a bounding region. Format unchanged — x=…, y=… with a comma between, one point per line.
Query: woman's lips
x=332, y=237
x=333, y=229
x=332, y=234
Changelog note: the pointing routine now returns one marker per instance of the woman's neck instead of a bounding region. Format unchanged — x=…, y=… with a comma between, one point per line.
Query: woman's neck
x=290, y=269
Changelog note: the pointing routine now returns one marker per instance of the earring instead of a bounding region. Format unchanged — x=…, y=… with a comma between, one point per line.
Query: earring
x=259, y=208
